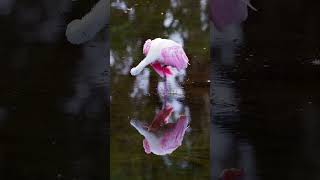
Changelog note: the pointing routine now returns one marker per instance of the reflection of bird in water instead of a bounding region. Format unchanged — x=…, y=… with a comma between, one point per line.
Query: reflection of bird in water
x=161, y=118
x=162, y=54
x=162, y=137
x=80, y=31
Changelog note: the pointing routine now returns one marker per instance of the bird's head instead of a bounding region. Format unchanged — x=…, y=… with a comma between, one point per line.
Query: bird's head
x=146, y=46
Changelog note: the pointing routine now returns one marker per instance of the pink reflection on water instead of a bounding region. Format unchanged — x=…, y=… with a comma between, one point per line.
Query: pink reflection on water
x=161, y=136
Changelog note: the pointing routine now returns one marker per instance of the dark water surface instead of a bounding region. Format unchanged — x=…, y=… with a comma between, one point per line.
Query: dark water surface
x=140, y=97
x=266, y=99
x=52, y=94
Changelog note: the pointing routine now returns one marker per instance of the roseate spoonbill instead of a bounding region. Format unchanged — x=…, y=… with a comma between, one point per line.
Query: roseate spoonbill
x=162, y=54
x=226, y=12
x=162, y=137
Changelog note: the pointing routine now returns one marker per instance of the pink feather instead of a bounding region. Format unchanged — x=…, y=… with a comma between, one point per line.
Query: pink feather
x=146, y=46
x=172, y=139
x=175, y=56
x=161, y=70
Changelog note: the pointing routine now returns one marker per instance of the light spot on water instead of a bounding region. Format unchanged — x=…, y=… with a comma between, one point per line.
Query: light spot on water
x=300, y=109
x=316, y=62
x=184, y=164
x=174, y=3
x=168, y=19
x=59, y=176
x=141, y=85
x=177, y=36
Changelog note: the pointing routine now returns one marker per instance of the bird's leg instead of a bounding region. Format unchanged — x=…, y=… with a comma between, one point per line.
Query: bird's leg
x=165, y=86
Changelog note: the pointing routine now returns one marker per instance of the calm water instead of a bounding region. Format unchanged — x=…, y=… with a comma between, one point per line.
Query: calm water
x=141, y=97
x=266, y=99
x=52, y=95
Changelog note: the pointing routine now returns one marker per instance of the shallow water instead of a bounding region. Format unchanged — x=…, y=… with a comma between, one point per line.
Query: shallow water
x=141, y=97
x=266, y=94
x=53, y=94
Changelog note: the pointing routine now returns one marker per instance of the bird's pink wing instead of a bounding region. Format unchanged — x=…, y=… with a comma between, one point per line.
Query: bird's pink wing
x=146, y=46
x=175, y=56
x=161, y=70
x=172, y=139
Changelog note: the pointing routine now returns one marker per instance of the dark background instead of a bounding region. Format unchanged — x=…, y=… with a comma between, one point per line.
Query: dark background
x=272, y=87
x=53, y=95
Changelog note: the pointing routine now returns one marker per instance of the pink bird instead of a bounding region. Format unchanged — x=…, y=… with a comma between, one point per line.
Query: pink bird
x=226, y=12
x=162, y=55
x=165, y=137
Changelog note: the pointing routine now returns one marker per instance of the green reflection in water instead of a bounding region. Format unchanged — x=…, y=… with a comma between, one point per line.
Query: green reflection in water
x=132, y=22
